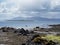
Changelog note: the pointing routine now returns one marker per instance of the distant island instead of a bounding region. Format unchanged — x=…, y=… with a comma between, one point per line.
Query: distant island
x=20, y=20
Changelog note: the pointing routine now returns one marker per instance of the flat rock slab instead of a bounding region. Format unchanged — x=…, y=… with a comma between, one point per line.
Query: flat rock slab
x=3, y=44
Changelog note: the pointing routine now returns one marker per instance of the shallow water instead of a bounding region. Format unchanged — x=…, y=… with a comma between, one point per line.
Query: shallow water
x=28, y=24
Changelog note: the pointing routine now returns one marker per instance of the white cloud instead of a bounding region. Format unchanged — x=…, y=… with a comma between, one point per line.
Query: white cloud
x=51, y=15
x=55, y=3
x=28, y=8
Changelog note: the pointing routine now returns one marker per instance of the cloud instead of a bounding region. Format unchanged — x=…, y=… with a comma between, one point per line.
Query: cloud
x=29, y=8
x=50, y=15
x=55, y=3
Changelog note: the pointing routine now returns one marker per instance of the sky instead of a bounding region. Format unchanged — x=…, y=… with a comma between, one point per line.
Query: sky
x=10, y=9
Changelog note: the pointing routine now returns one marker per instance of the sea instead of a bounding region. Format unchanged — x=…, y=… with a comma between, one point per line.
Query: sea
x=27, y=24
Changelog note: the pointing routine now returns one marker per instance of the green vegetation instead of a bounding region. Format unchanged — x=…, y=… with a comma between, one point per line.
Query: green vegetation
x=48, y=38
x=52, y=37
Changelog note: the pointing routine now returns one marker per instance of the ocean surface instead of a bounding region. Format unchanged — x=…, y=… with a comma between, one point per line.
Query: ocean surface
x=27, y=24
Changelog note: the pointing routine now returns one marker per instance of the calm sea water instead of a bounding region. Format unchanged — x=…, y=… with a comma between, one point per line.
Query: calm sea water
x=27, y=24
